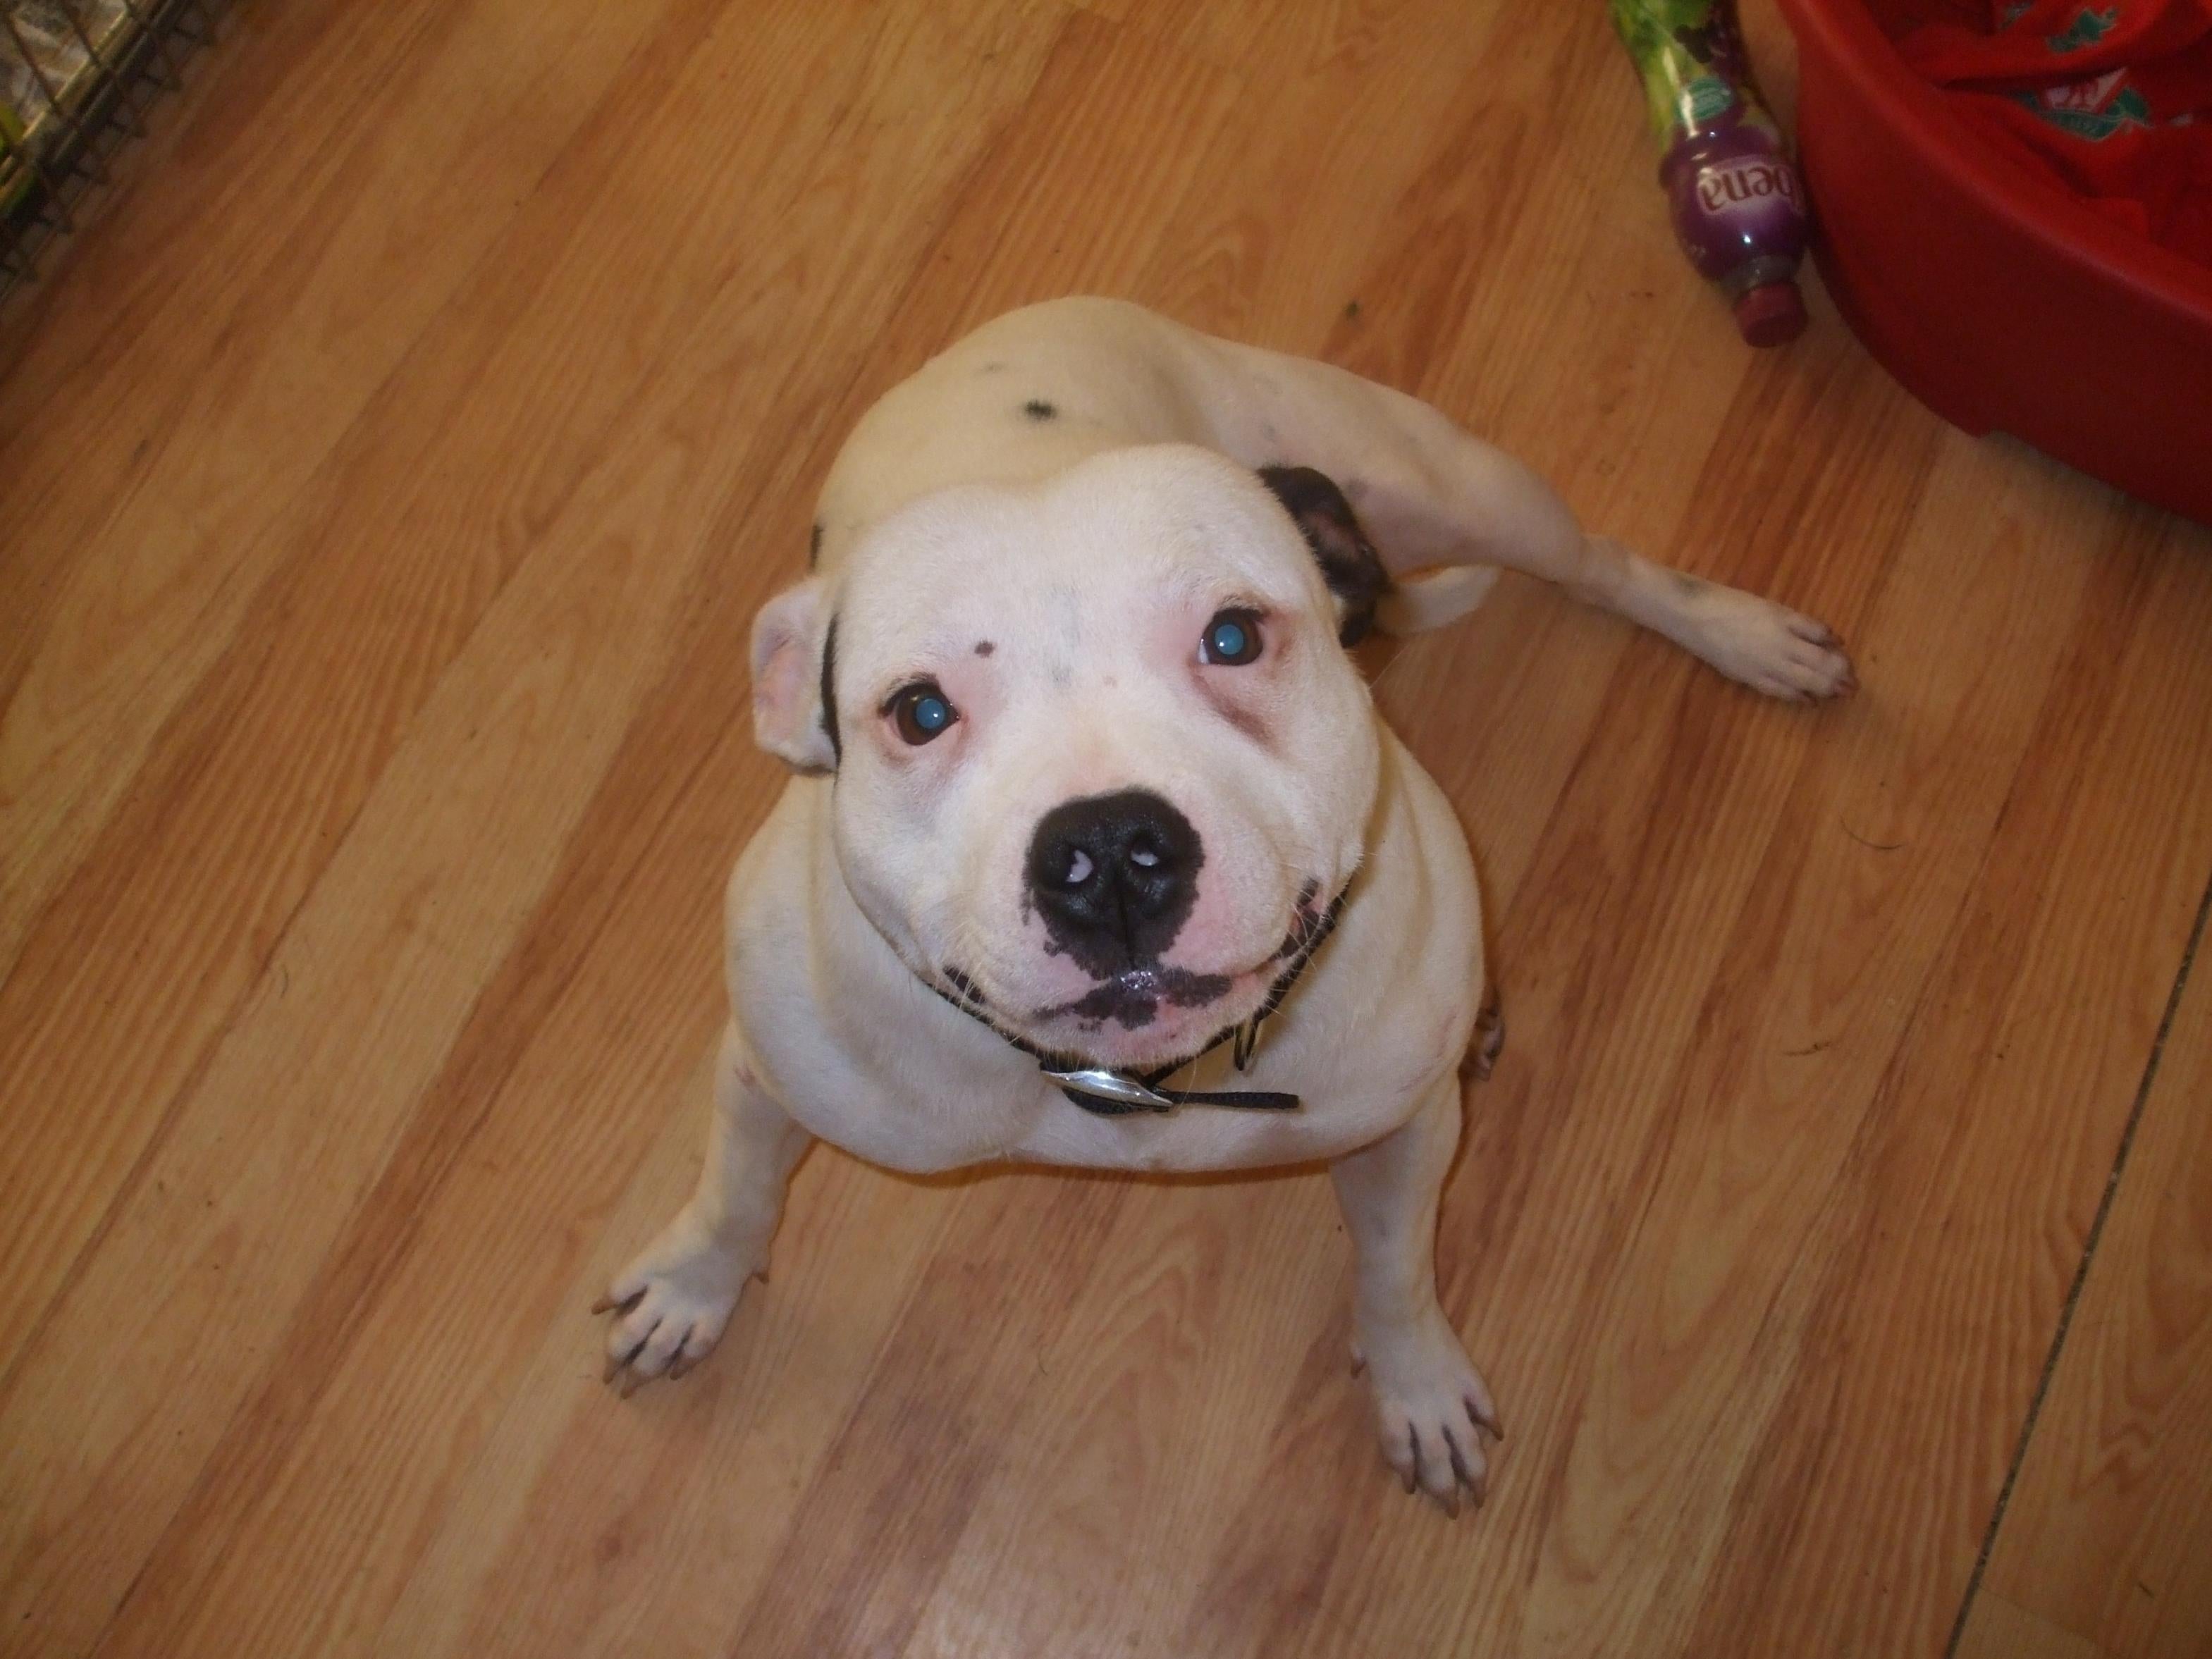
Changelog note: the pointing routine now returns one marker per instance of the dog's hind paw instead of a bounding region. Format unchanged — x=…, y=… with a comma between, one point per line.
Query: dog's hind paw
x=1489, y=1040
x=671, y=1305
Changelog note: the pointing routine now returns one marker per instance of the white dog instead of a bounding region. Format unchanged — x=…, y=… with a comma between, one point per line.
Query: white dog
x=1089, y=789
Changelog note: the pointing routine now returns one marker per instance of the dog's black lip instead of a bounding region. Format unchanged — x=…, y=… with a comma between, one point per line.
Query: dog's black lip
x=1133, y=998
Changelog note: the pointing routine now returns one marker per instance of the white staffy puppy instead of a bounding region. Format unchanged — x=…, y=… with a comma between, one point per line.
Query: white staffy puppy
x=1088, y=787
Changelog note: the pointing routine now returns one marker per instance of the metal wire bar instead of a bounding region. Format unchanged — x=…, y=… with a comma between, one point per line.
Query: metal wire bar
x=131, y=53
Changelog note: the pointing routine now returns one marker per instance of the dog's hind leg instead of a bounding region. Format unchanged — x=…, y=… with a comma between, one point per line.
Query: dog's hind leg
x=1429, y=1399
x=671, y=1304
x=1445, y=509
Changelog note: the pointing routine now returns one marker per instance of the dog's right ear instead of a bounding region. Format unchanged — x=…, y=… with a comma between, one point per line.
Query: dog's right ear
x=794, y=665
x=1349, y=564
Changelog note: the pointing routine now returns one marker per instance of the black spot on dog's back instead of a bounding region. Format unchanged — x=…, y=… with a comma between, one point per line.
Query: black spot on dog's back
x=814, y=546
x=984, y=647
x=1038, y=409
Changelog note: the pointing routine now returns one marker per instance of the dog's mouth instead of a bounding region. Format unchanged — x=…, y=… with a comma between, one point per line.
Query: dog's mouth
x=1152, y=1010
x=1134, y=1000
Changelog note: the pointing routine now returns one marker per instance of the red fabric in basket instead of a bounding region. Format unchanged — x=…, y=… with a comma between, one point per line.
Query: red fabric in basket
x=2111, y=98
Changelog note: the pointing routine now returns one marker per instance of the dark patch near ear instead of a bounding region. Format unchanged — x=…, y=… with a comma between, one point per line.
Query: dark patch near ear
x=984, y=647
x=830, y=692
x=1687, y=585
x=1347, y=559
x=1037, y=410
x=814, y=546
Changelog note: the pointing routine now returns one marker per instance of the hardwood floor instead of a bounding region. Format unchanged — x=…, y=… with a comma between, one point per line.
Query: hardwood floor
x=388, y=486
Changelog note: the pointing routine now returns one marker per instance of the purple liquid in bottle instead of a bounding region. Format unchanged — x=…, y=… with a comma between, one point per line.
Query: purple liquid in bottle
x=1738, y=210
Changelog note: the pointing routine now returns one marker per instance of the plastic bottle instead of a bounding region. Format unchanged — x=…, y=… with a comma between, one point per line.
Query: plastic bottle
x=1738, y=208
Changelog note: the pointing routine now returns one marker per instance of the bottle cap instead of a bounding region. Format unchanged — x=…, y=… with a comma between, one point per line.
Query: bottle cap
x=1771, y=314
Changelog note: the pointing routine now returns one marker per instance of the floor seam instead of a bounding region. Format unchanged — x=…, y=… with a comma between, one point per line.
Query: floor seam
x=2080, y=1272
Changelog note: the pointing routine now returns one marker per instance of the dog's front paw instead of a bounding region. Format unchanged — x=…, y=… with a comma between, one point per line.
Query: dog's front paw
x=671, y=1305
x=1430, y=1409
x=1767, y=646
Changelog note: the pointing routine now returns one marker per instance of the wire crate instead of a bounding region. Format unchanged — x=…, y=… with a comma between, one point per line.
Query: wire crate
x=75, y=79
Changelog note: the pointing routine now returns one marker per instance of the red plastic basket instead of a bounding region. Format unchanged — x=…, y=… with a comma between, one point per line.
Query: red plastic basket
x=1996, y=298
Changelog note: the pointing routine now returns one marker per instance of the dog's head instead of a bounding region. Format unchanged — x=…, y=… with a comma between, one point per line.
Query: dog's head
x=1101, y=760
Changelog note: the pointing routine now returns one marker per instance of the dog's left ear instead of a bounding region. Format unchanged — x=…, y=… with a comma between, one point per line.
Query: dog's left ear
x=794, y=660
x=1347, y=559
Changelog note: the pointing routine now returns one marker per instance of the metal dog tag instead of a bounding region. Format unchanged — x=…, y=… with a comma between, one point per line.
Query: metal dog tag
x=1101, y=1084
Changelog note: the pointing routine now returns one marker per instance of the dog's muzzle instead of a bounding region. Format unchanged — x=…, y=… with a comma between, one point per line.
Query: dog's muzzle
x=1107, y=1092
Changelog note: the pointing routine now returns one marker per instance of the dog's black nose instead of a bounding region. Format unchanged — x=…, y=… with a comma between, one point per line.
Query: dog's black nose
x=1115, y=876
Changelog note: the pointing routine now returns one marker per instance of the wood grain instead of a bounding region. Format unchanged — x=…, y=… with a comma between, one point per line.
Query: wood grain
x=2108, y=1530
x=1999, y=1630
x=170, y=521
x=380, y=554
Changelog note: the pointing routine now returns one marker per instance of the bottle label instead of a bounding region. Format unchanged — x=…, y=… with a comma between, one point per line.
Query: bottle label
x=1744, y=179
x=1704, y=100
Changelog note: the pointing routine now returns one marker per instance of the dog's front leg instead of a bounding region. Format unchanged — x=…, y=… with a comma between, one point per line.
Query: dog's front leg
x=1429, y=1399
x=673, y=1302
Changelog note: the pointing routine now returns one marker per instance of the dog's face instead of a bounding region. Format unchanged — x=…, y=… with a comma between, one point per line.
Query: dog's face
x=1101, y=761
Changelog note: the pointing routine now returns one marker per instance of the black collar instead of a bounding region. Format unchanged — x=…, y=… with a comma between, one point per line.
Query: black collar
x=1116, y=1094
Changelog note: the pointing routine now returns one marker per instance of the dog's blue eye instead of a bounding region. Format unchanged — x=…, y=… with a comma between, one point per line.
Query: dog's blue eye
x=921, y=711
x=1231, y=638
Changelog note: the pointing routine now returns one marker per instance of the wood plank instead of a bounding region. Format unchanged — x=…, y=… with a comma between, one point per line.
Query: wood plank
x=373, y=975
x=1250, y=251
x=290, y=721
x=385, y=579
x=2108, y=1529
x=1286, y=38
x=301, y=274
x=1999, y=1630
x=2001, y=1115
